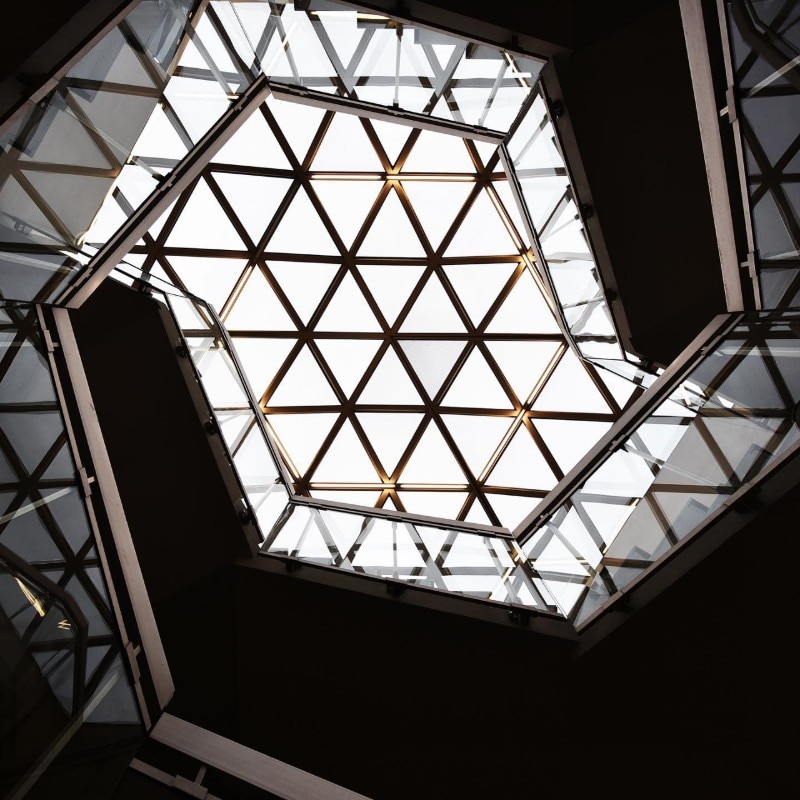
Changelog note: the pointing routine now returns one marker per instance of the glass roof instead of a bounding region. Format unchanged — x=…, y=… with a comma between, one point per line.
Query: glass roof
x=376, y=284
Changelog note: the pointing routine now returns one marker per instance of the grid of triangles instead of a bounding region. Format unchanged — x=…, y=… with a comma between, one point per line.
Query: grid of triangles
x=385, y=308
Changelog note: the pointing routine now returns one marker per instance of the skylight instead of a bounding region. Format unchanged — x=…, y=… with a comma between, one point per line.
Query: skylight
x=378, y=289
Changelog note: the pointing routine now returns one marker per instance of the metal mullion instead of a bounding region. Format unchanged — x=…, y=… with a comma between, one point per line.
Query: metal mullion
x=69, y=239
x=427, y=416
x=461, y=216
x=227, y=209
x=69, y=169
x=548, y=456
x=263, y=400
x=372, y=215
x=322, y=451
x=245, y=68
x=96, y=136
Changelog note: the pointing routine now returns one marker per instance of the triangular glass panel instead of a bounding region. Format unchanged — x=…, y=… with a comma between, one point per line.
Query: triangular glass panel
x=304, y=283
x=212, y=279
x=261, y=359
x=524, y=310
x=301, y=435
x=348, y=359
x=485, y=152
x=391, y=234
x=304, y=384
x=198, y=104
x=258, y=308
x=476, y=386
x=353, y=497
x=570, y=389
x=159, y=139
x=346, y=461
x=348, y=310
x=302, y=231
x=347, y=204
x=393, y=137
x=444, y=505
x=522, y=464
x=343, y=32
x=299, y=123
x=478, y=285
x=482, y=233
x=432, y=312
x=61, y=466
x=511, y=509
x=432, y=360
x=477, y=514
x=346, y=148
x=432, y=461
x=31, y=434
x=389, y=435
x=391, y=285
x=476, y=437
x=253, y=145
x=436, y=205
x=203, y=223
x=74, y=199
x=569, y=440
x=523, y=363
x=435, y=152
x=506, y=196
x=390, y=384
x=254, y=199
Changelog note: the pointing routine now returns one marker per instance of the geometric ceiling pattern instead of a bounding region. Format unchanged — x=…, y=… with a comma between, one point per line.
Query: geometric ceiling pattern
x=380, y=296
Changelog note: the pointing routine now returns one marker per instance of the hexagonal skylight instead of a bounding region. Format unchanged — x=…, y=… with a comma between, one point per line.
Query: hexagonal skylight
x=376, y=283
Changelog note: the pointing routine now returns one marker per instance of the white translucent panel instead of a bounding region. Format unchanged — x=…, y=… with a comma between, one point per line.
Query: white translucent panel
x=505, y=107
x=261, y=359
x=564, y=237
x=482, y=233
x=434, y=539
x=347, y=203
x=307, y=52
x=108, y=221
x=442, y=110
x=211, y=279
x=477, y=514
x=570, y=440
x=258, y=308
x=391, y=285
x=523, y=363
x=342, y=31
x=432, y=360
x=476, y=437
x=439, y=152
x=198, y=104
x=254, y=199
x=391, y=234
x=348, y=310
x=621, y=475
x=389, y=384
x=353, y=497
x=220, y=380
x=390, y=435
x=253, y=460
x=570, y=389
x=444, y=505
x=269, y=506
x=486, y=151
x=507, y=198
x=303, y=282
x=136, y=185
x=607, y=519
x=159, y=139
x=203, y=223
x=472, y=103
x=253, y=145
x=469, y=550
x=432, y=461
x=61, y=191
x=346, y=148
x=522, y=465
x=415, y=98
x=557, y=557
x=542, y=196
x=244, y=24
x=292, y=530
x=343, y=529
x=478, y=285
x=232, y=424
x=301, y=435
x=304, y=384
x=393, y=137
x=346, y=460
x=432, y=312
x=574, y=280
x=535, y=147
x=348, y=359
x=620, y=388
x=378, y=59
x=299, y=123
x=659, y=440
x=300, y=230
x=476, y=386
x=436, y=205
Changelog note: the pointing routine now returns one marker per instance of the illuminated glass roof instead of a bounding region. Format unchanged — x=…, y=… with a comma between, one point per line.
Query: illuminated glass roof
x=386, y=310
